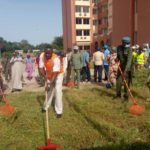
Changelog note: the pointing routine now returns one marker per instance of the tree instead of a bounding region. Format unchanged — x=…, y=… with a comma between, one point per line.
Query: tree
x=42, y=46
x=58, y=43
x=2, y=43
x=24, y=44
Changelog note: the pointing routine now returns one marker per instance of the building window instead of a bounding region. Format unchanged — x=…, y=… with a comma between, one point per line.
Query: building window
x=104, y=8
x=86, y=32
x=105, y=20
x=79, y=32
x=78, y=21
x=78, y=9
x=110, y=5
x=94, y=11
x=86, y=9
x=86, y=21
x=95, y=22
x=105, y=31
x=86, y=47
x=95, y=1
x=80, y=47
x=95, y=34
x=110, y=30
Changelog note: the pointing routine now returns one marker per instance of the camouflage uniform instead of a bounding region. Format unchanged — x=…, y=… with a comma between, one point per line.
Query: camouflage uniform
x=124, y=56
x=113, y=67
x=76, y=64
x=6, y=68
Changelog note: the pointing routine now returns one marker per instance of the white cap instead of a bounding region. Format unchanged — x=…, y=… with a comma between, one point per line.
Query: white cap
x=75, y=47
x=137, y=46
x=134, y=47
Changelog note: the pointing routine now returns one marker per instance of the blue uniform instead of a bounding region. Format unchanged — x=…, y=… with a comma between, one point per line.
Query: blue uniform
x=106, y=66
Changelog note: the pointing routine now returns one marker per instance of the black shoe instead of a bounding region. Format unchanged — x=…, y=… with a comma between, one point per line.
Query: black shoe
x=43, y=110
x=12, y=91
x=116, y=97
x=59, y=115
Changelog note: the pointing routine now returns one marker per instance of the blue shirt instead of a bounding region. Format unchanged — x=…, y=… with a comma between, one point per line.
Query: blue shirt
x=147, y=52
x=106, y=53
x=85, y=58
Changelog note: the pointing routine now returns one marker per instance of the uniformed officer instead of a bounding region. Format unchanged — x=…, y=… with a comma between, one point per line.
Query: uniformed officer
x=124, y=57
x=77, y=64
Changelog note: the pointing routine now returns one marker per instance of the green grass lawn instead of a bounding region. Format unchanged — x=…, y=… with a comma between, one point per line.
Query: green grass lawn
x=91, y=120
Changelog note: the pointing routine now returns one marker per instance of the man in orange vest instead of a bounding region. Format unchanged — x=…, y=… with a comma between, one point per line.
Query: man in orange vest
x=51, y=67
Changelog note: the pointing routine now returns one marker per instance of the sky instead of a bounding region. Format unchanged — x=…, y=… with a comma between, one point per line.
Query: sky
x=37, y=21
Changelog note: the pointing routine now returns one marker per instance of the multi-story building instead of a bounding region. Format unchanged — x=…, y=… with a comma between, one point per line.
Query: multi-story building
x=77, y=25
x=90, y=23
x=115, y=20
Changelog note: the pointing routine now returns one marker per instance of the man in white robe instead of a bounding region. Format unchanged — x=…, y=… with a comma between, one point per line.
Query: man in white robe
x=17, y=72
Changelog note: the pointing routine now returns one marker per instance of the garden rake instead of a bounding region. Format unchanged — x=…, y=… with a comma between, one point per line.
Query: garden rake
x=70, y=84
x=7, y=108
x=49, y=146
x=135, y=108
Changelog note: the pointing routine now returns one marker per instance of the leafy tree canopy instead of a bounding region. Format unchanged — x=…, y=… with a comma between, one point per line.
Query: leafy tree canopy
x=7, y=46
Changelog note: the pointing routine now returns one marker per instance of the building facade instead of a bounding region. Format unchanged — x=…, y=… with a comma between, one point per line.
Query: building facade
x=91, y=23
x=77, y=25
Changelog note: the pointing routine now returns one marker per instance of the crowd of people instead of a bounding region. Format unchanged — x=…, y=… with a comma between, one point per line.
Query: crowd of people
x=58, y=68
x=105, y=62
x=13, y=68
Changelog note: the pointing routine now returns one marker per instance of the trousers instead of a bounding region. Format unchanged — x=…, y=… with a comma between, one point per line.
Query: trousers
x=106, y=67
x=85, y=73
x=55, y=91
x=120, y=82
x=76, y=76
x=98, y=69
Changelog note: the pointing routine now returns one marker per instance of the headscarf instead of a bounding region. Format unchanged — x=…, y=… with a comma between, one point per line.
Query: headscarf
x=28, y=58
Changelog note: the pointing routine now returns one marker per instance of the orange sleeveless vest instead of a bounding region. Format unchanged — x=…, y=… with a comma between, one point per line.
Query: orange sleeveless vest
x=49, y=66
